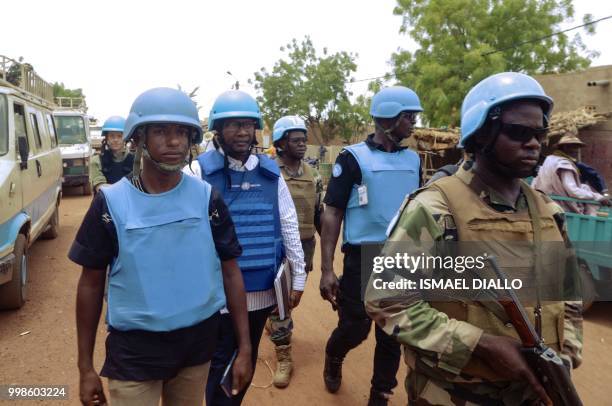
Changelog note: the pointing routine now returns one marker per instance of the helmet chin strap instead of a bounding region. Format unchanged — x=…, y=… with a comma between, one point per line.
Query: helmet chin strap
x=387, y=131
x=495, y=130
x=141, y=151
x=162, y=166
x=489, y=152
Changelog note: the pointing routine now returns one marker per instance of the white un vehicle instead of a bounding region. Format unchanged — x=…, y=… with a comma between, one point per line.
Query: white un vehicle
x=30, y=174
x=75, y=142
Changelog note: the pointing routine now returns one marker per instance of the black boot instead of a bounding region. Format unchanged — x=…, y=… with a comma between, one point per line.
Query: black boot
x=332, y=374
x=378, y=398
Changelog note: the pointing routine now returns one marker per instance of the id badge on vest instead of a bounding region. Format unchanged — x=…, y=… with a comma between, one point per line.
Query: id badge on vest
x=362, y=192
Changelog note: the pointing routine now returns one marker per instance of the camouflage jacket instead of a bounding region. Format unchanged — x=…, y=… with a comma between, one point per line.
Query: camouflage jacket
x=438, y=347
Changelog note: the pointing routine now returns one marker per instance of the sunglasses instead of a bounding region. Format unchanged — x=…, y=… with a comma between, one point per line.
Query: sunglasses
x=522, y=133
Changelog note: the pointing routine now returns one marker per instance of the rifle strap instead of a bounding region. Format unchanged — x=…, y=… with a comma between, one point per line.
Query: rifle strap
x=537, y=240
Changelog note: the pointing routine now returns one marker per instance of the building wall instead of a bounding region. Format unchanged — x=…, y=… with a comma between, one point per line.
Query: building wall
x=570, y=92
x=598, y=150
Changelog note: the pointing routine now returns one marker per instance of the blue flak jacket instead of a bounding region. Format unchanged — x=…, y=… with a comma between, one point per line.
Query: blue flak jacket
x=388, y=177
x=167, y=274
x=252, y=199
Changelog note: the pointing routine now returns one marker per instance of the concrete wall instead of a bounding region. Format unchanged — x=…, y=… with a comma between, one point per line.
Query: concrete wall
x=598, y=151
x=570, y=90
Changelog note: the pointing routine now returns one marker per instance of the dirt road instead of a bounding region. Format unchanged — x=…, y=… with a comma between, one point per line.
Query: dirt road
x=46, y=355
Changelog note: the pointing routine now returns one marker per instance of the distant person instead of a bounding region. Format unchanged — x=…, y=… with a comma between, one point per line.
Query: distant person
x=560, y=175
x=115, y=160
x=172, y=248
x=322, y=152
x=305, y=185
x=591, y=177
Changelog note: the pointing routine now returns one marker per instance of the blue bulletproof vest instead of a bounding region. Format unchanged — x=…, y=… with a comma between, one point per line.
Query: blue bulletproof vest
x=388, y=177
x=252, y=199
x=167, y=274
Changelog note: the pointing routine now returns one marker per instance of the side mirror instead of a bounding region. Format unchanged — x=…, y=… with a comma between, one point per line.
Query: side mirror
x=24, y=151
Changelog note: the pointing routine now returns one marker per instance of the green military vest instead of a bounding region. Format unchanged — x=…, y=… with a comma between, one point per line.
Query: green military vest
x=494, y=231
x=303, y=190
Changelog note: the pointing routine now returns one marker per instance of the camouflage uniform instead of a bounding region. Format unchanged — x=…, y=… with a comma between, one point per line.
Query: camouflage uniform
x=437, y=348
x=280, y=330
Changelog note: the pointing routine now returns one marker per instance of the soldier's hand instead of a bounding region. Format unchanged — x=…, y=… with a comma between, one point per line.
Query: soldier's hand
x=329, y=288
x=503, y=355
x=90, y=389
x=242, y=371
x=296, y=296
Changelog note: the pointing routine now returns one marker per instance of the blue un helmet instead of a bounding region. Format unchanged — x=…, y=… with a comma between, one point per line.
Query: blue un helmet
x=234, y=104
x=113, y=123
x=163, y=105
x=285, y=124
x=391, y=101
x=493, y=91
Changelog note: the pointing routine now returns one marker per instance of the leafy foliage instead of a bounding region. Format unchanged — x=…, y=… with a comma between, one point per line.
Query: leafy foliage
x=314, y=87
x=463, y=41
x=59, y=90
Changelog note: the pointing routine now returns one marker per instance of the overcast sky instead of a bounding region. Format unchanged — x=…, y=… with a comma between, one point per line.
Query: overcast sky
x=115, y=50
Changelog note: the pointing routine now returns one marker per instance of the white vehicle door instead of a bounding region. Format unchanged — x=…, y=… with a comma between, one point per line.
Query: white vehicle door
x=32, y=184
x=49, y=162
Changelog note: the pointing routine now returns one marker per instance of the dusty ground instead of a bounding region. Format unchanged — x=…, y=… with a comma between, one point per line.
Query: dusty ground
x=47, y=354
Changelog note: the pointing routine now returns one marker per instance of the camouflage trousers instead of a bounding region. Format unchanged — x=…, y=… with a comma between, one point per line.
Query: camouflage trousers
x=424, y=391
x=281, y=330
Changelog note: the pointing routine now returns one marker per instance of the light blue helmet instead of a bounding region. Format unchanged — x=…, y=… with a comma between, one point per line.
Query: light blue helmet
x=285, y=124
x=494, y=91
x=391, y=101
x=163, y=105
x=234, y=104
x=113, y=123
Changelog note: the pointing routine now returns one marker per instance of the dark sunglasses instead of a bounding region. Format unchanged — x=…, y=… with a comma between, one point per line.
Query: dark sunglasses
x=522, y=133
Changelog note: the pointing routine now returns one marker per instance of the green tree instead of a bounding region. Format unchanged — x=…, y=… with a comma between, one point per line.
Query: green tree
x=463, y=41
x=70, y=98
x=312, y=86
x=59, y=90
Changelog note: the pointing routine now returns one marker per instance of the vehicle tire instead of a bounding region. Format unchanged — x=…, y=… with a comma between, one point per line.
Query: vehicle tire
x=87, y=189
x=13, y=294
x=53, y=230
x=589, y=293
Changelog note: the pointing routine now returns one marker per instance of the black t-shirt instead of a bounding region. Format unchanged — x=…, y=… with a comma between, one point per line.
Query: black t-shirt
x=138, y=355
x=346, y=173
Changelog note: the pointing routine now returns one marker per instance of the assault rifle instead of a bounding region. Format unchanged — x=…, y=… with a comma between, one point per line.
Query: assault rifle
x=544, y=361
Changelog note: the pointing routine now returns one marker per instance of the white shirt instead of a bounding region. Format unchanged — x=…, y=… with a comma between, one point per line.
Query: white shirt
x=289, y=231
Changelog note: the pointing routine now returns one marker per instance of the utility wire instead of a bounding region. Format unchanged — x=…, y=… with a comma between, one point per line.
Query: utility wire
x=546, y=36
x=503, y=49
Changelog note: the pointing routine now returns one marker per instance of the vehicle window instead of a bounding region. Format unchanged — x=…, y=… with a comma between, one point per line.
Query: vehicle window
x=51, y=128
x=3, y=125
x=20, y=123
x=34, y=124
x=71, y=129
